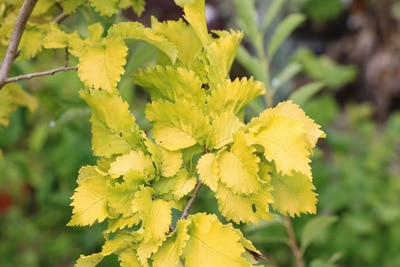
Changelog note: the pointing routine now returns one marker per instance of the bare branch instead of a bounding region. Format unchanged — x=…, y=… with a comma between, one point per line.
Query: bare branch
x=38, y=74
x=185, y=211
x=22, y=19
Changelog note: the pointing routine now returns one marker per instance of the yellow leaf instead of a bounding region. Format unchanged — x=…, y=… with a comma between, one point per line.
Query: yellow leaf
x=137, y=31
x=208, y=170
x=221, y=54
x=121, y=195
x=89, y=261
x=128, y=258
x=146, y=249
x=31, y=42
x=134, y=160
x=232, y=97
x=172, y=248
x=167, y=162
x=293, y=194
x=177, y=186
x=86, y=172
x=113, y=126
x=11, y=96
x=172, y=85
x=293, y=111
x=238, y=168
x=195, y=14
x=185, y=39
x=212, y=244
x=284, y=142
x=177, y=125
x=222, y=130
x=251, y=208
x=154, y=213
x=107, y=8
x=102, y=64
x=89, y=202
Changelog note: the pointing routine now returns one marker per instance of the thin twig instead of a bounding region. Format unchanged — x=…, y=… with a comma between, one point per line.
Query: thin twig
x=22, y=19
x=38, y=74
x=292, y=242
x=185, y=211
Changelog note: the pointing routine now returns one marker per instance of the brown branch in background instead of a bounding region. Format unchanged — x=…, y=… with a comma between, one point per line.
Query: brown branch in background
x=292, y=241
x=22, y=19
x=38, y=74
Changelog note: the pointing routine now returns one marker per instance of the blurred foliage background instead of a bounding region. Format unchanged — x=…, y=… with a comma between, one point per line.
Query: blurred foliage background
x=351, y=48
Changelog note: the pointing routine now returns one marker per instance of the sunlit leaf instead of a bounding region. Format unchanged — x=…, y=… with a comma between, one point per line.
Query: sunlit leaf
x=128, y=258
x=137, y=31
x=89, y=261
x=172, y=247
x=177, y=186
x=222, y=130
x=113, y=126
x=137, y=161
x=177, y=126
x=154, y=213
x=31, y=42
x=233, y=96
x=89, y=202
x=195, y=14
x=102, y=64
x=212, y=244
x=238, y=168
x=167, y=162
x=293, y=194
x=250, y=208
x=208, y=170
x=172, y=84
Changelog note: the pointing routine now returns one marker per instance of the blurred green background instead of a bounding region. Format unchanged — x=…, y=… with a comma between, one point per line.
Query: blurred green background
x=356, y=168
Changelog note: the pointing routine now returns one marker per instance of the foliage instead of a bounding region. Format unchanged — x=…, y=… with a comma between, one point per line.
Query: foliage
x=198, y=136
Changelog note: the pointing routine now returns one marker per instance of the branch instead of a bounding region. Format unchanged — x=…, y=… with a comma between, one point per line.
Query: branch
x=38, y=74
x=22, y=19
x=185, y=211
x=292, y=242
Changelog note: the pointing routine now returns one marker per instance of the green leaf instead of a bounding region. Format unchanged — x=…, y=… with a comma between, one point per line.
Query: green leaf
x=105, y=8
x=313, y=229
x=284, y=29
x=177, y=126
x=89, y=202
x=273, y=9
x=113, y=126
x=212, y=244
x=172, y=84
x=293, y=194
x=102, y=64
x=253, y=65
x=137, y=31
x=303, y=94
x=248, y=18
x=290, y=71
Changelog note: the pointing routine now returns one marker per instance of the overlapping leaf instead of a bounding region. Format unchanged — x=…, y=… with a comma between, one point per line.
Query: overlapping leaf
x=177, y=125
x=113, y=126
x=222, y=130
x=212, y=244
x=172, y=84
x=89, y=202
x=293, y=194
x=134, y=160
x=233, y=96
x=102, y=64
